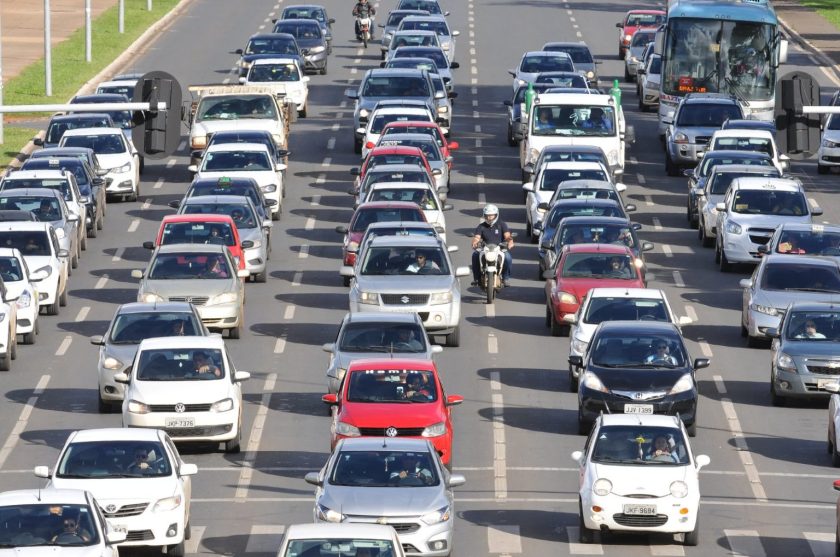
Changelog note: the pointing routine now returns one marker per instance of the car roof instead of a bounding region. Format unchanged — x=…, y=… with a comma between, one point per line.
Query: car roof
x=24, y=226
x=391, y=443
x=414, y=241
x=61, y=151
x=812, y=306
x=93, y=131
x=381, y=317
x=708, y=98
x=546, y=53
x=647, y=293
x=344, y=530
x=110, y=97
x=400, y=185
x=658, y=12
x=814, y=260
x=609, y=249
x=744, y=168
x=298, y=21
x=566, y=43
x=421, y=32
x=271, y=35
x=586, y=183
x=643, y=327
x=653, y=420
x=155, y=307
x=176, y=343
x=410, y=136
x=396, y=150
x=591, y=99
x=764, y=182
x=198, y=218
x=721, y=153
x=395, y=72
x=116, y=434
x=743, y=132
x=40, y=173
x=594, y=219
x=48, y=496
x=586, y=202
x=81, y=115
x=396, y=167
x=243, y=180
x=236, y=147
x=391, y=363
x=191, y=248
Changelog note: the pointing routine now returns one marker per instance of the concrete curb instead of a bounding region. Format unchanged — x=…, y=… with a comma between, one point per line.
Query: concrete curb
x=134, y=50
x=828, y=63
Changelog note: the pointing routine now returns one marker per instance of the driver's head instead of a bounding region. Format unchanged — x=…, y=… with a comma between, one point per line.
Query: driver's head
x=414, y=381
x=45, y=205
x=616, y=263
x=661, y=347
x=199, y=358
x=410, y=461
x=491, y=213
x=661, y=443
x=596, y=113
x=236, y=214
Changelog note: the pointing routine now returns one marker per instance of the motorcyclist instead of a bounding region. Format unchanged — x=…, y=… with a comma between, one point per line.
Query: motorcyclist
x=363, y=9
x=492, y=230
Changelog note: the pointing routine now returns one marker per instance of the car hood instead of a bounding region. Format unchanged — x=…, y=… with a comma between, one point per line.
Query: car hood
x=781, y=299
x=197, y=391
x=639, y=380
x=398, y=415
x=35, y=262
x=262, y=177
x=384, y=501
x=636, y=50
x=15, y=289
x=648, y=479
x=310, y=43
x=811, y=348
x=120, y=491
x=713, y=200
x=580, y=286
x=115, y=160
x=767, y=221
x=344, y=359
x=189, y=287
x=405, y=284
x=52, y=551
x=212, y=126
x=253, y=234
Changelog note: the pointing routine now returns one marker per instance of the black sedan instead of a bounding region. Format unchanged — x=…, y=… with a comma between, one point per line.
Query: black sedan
x=637, y=367
x=266, y=45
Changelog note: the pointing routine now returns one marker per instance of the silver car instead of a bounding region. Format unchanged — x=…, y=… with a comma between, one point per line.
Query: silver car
x=131, y=324
x=389, y=173
x=205, y=276
x=370, y=335
x=395, y=17
x=633, y=57
x=536, y=62
x=430, y=148
x=436, y=23
x=390, y=277
x=395, y=481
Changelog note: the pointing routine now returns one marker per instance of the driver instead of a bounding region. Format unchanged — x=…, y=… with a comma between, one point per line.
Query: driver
x=492, y=230
x=360, y=11
x=416, y=387
x=405, y=338
x=661, y=354
x=203, y=364
x=619, y=268
x=140, y=464
x=71, y=532
x=661, y=450
x=410, y=468
x=422, y=264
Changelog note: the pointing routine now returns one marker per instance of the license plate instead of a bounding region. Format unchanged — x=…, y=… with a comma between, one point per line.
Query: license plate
x=646, y=510
x=638, y=408
x=821, y=383
x=180, y=422
x=119, y=528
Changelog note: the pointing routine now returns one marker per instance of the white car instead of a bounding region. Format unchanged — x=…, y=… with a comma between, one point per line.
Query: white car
x=48, y=264
x=411, y=38
x=138, y=479
x=384, y=114
x=118, y=87
x=56, y=522
x=376, y=539
x=761, y=141
x=648, y=83
x=188, y=387
x=436, y=23
x=638, y=474
x=22, y=286
x=828, y=155
x=614, y=304
x=284, y=76
x=418, y=192
x=116, y=155
x=245, y=160
x=536, y=62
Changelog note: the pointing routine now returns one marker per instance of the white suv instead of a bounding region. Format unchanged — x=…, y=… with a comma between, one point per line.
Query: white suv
x=48, y=263
x=761, y=141
x=116, y=155
x=21, y=284
x=384, y=114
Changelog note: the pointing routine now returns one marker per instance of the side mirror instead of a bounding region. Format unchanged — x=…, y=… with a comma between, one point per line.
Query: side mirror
x=619, y=187
x=570, y=318
x=451, y=249
x=647, y=246
x=763, y=249
x=688, y=172
x=188, y=470
x=193, y=168
x=38, y=141
x=440, y=94
x=238, y=51
x=454, y=400
x=280, y=166
x=437, y=172
x=512, y=73
x=528, y=186
x=270, y=202
x=243, y=80
x=328, y=347
x=456, y=33
x=97, y=340
x=42, y=472
x=456, y=479
x=700, y=363
x=341, y=229
x=620, y=25
x=313, y=478
x=641, y=71
x=175, y=204
x=351, y=94
x=437, y=349
x=462, y=272
x=453, y=94
x=630, y=207
x=121, y=378
x=60, y=233
x=544, y=206
x=637, y=226
x=347, y=271
x=448, y=208
x=137, y=274
x=243, y=273
x=772, y=332
x=816, y=211
x=721, y=207
x=577, y=455
x=63, y=253
x=507, y=103
x=330, y=399
x=247, y=244
x=453, y=145
x=454, y=65
x=149, y=245
x=745, y=283
x=240, y=376
x=537, y=225
x=576, y=361
x=355, y=171
x=701, y=460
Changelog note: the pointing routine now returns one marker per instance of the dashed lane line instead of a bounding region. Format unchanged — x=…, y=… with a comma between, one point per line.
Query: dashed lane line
x=254, y=438
x=64, y=346
x=691, y=314
x=304, y=252
x=23, y=419
x=146, y=204
x=118, y=255
x=134, y=225
x=159, y=183
x=657, y=224
x=678, y=280
x=289, y=312
x=279, y=345
x=100, y=284
x=492, y=344
x=310, y=223
x=296, y=278
x=82, y=315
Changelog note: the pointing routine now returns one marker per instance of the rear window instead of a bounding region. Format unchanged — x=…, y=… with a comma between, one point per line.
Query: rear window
x=219, y=233
x=438, y=27
x=579, y=54
x=397, y=86
x=708, y=115
x=797, y=276
x=366, y=216
x=537, y=63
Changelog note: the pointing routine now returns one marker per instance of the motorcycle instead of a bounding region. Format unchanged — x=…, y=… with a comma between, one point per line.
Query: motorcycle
x=492, y=260
x=363, y=24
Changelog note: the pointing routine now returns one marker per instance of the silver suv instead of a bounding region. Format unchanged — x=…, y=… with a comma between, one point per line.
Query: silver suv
x=409, y=273
x=697, y=117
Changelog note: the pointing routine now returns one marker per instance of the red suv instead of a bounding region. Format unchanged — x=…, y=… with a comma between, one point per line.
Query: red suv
x=633, y=21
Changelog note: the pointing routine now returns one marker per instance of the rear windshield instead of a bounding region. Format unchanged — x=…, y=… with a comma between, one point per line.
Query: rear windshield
x=241, y=214
x=437, y=56
x=198, y=233
x=561, y=213
x=271, y=46
x=274, y=73
x=721, y=181
x=366, y=216
x=382, y=337
x=642, y=39
x=298, y=30
x=438, y=27
x=398, y=86
x=760, y=144
x=802, y=277
x=816, y=241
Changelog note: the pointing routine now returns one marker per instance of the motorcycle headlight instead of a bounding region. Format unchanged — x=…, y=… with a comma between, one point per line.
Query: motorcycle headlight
x=579, y=345
x=137, y=407
x=343, y=428
x=112, y=363
x=766, y=310
x=679, y=489
x=46, y=269
x=685, y=383
x=325, y=513
x=168, y=504
x=225, y=298
x=785, y=362
x=124, y=168
x=150, y=298
x=440, y=298
x=680, y=137
x=369, y=298
x=567, y=298
x=591, y=381
x=364, y=113
x=316, y=50
x=733, y=227
x=442, y=109
x=224, y=405
x=440, y=515
x=24, y=300
x=602, y=487
x=270, y=188
x=198, y=142
x=435, y=430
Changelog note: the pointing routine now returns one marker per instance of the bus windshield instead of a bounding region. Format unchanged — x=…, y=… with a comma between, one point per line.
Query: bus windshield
x=711, y=56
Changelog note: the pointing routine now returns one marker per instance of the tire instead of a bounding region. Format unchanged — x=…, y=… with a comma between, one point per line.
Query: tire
x=775, y=399
x=100, y=223
x=5, y=362
x=104, y=407
x=744, y=332
x=510, y=139
x=346, y=281
x=754, y=342
x=302, y=113
x=823, y=169
x=835, y=456
x=62, y=298
x=323, y=71
x=357, y=146
x=53, y=308
x=188, y=530
x=91, y=232
x=627, y=77
x=74, y=261
x=573, y=382
x=692, y=429
x=717, y=253
x=236, y=332
x=13, y=348
x=557, y=329
x=584, y=533
x=642, y=106
x=28, y=338
x=705, y=241
x=233, y=446
x=454, y=338
x=547, y=317
x=142, y=165
x=583, y=426
x=671, y=169
x=491, y=287
x=692, y=538
x=725, y=265
x=176, y=550
x=84, y=243
x=260, y=277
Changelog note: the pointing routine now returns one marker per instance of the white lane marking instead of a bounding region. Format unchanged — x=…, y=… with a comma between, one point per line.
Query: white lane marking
x=691, y=314
x=479, y=160
x=499, y=451
x=64, y=346
x=705, y=348
x=22, y=420
x=354, y=70
x=579, y=34
x=476, y=115
x=304, y=252
x=472, y=34
x=360, y=51
x=744, y=542
x=296, y=278
x=641, y=179
x=472, y=52
x=327, y=162
x=678, y=280
x=492, y=344
x=321, y=179
x=670, y=550
x=335, y=127
x=477, y=128
x=265, y=538
x=743, y=451
x=316, y=200
x=261, y=27
x=474, y=91
x=170, y=163
x=482, y=199
x=226, y=80
x=648, y=201
x=822, y=543
x=310, y=223
x=331, y=144
x=475, y=103
x=159, y=183
x=666, y=249
x=357, y=61
x=657, y=224
x=478, y=144
x=146, y=204
x=504, y=538
x=473, y=81
x=118, y=255
x=719, y=384
x=473, y=61
x=575, y=26
x=270, y=381
x=82, y=315
x=289, y=313
x=134, y=225
x=182, y=145
x=479, y=178
x=191, y=545
x=576, y=548
x=342, y=104
x=634, y=160
x=572, y=19
x=495, y=384
x=254, y=441
x=100, y=284
x=490, y=310
x=279, y=345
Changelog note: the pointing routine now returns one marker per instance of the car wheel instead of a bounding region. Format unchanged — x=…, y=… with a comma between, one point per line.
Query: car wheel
x=53, y=308
x=692, y=429
x=557, y=329
x=717, y=252
x=693, y=538
x=529, y=231
x=835, y=456
x=584, y=533
x=91, y=232
x=104, y=406
x=705, y=241
x=642, y=106
x=357, y=146
x=13, y=348
x=345, y=281
x=671, y=169
x=100, y=222
x=454, y=338
x=583, y=426
x=775, y=399
x=744, y=332
x=74, y=261
x=725, y=265
x=754, y=342
x=302, y=113
x=260, y=277
x=627, y=77
x=823, y=169
x=28, y=338
x=5, y=362
x=511, y=140
x=233, y=446
x=176, y=550
x=62, y=298
x=236, y=332
x=547, y=317
x=573, y=381
x=188, y=530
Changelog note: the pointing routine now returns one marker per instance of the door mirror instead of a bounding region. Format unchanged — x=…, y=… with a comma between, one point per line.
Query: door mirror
x=351, y=94
x=456, y=479
x=341, y=229
x=121, y=378
x=97, y=340
x=354, y=171
x=647, y=246
x=701, y=460
x=42, y=472
x=330, y=399
x=451, y=249
x=448, y=208
x=700, y=363
x=570, y=318
x=238, y=51
x=193, y=168
x=745, y=283
x=347, y=271
x=620, y=25
x=528, y=186
x=149, y=245
x=462, y=272
x=577, y=455
x=116, y=536
x=619, y=187
x=721, y=207
x=137, y=274
x=548, y=274
x=437, y=349
x=38, y=276
x=454, y=400
x=243, y=273
x=816, y=211
x=637, y=226
x=454, y=65
x=629, y=207
x=175, y=204
x=188, y=470
x=240, y=376
x=63, y=253
x=313, y=478
x=328, y=347
x=772, y=332
x=243, y=80
x=576, y=361
x=437, y=171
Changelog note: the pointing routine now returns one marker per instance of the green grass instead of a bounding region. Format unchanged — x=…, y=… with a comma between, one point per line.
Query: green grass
x=14, y=139
x=69, y=69
x=829, y=9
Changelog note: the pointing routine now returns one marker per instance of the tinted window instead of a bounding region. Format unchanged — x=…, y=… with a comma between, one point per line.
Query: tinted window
x=188, y=266
x=579, y=54
x=589, y=265
x=437, y=55
x=114, y=459
x=382, y=337
x=236, y=107
x=404, y=261
x=813, y=325
x=180, y=365
x=48, y=525
x=796, y=276
x=764, y=202
x=29, y=243
x=596, y=234
x=559, y=213
x=232, y=161
x=554, y=177
x=382, y=469
x=438, y=27
x=241, y=214
x=366, y=216
x=131, y=328
x=111, y=144
x=10, y=269
x=536, y=63
x=392, y=386
x=57, y=129
x=402, y=86
x=274, y=72
x=720, y=181
x=816, y=241
x=218, y=233
x=642, y=39
x=655, y=446
x=422, y=196
x=625, y=309
x=707, y=115
x=613, y=349
x=271, y=46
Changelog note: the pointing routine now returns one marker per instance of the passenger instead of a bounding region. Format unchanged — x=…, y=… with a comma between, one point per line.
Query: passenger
x=410, y=468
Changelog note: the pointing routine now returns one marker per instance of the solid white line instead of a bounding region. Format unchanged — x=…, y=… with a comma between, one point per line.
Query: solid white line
x=100, y=284
x=666, y=249
x=279, y=347
x=146, y=204
x=170, y=163
x=490, y=310
x=64, y=346
x=331, y=144
x=633, y=160
x=304, y=252
x=822, y=543
x=118, y=255
x=743, y=450
x=135, y=224
x=744, y=542
x=82, y=315
x=678, y=281
x=504, y=538
x=310, y=223
x=316, y=200
x=327, y=162
x=576, y=548
x=23, y=418
x=159, y=183
x=191, y=546
x=670, y=550
x=657, y=224
x=579, y=34
x=296, y=278
x=719, y=384
x=691, y=314
x=289, y=313
x=492, y=344
x=705, y=348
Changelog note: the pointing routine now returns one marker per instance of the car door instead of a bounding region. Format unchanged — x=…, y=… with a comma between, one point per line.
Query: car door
x=63, y=262
x=185, y=481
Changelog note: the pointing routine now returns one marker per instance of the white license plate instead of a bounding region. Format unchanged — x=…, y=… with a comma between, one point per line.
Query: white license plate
x=119, y=528
x=638, y=408
x=180, y=422
x=821, y=383
x=646, y=510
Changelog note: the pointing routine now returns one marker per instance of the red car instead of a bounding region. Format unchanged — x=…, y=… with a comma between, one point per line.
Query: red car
x=391, y=155
x=633, y=21
x=432, y=128
x=201, y=229
x=371, y=402
x=582, y=267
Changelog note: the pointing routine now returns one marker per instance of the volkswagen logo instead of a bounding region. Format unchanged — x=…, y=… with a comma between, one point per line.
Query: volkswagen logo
x=391, y=432
x=180, y=407
x=405, y=299
x=111, y=508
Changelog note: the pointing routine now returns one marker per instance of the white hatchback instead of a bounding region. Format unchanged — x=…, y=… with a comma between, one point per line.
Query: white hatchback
x=188, y=387
x=47, y=262
x=138, y=478
x=22, y=284
x=284, y=76
x=637, y=474
x=383, y=115
x=761, y=141
x=116, y=154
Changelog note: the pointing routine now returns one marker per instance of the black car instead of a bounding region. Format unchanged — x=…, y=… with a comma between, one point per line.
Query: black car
x=267, y=45
x=311, y=11
x=246, y=187
x=551, y=153
x=311, y=40
x=121, y=118
x=91, y=186
x=637, y=367
x=515, y=106
x=262, y=137
x=63, y=122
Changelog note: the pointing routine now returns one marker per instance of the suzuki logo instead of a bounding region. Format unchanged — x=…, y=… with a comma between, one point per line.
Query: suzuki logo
x=405, y=299
x=391, y=432
x=180, y=407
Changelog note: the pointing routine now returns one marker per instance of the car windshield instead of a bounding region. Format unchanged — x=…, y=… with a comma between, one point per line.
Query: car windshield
x=760, y=144
x=31, y=243
x=233, y=161
x=833, y=122
x=618, y=234
x=419, y=175
x=707, y=115
x=114, y=459
x=57, y=129
x=304, y=13
x=769, y=202
x=45, y=209
x=55, y=524
x=413, y=38
x=553, y=177
x=339, y=547
x=574, y=120
x=76, y=166
x=422, y=196
x=644, y=20
x=381, y=159
x=230, y=188
x=586, y=193
x=711, y=160
x=428, y=146
x=273, y=72
x=382, y=337
x=638, y=350
x=271, y=46
x=432, y=131
x=813, y=326
x=579, y=54
x=437, y=26
x=368, y=215
x=437, y=56
x=392, y=385
x=236, y=107
x=817, y=241
x=597, y=265
x=126, y=90
x=381, y=120
x=104, y=144
x=430, y=6
x=10, y=269
x=189, y=266
x=181, y=364
x=537, y=63
x=558, y=213
x=60, y=185
x=801, y=277
x=396, y=86
x=132, y=328
x=384, y=468
x=638, y=444
x=551, y=155
x=405, y=260
x=303, y=31
x=625, y=309
x=719, y=182
x=242, y=215
x=412, y=63
x=563, y=80
x=641, y=39
x=219, y=233
x=396, y=18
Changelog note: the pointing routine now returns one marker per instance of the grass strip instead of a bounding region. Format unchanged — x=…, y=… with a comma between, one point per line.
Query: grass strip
x=829, y=9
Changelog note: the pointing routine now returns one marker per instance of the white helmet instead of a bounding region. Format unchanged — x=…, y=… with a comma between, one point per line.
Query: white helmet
x=490, y=209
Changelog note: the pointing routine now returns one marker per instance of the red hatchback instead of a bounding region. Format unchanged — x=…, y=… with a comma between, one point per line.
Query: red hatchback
x=201, y=229
x=633, y=21
x=394, y=398
x=431, y=128
x=582, y=267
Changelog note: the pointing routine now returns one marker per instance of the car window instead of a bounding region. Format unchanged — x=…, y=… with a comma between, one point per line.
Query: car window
x=53, y=525
x=242, y=215
x=274, y=73
x=114, y=459
x=101, y=144
x=246, y=190
x=219, y=233
x=422, y=196
x=419, y=175
x=189, y=266
x=655, y=65
x=392, y=386
x=396, y=86
x=578, y=54
x=271, y=46
x=236, y=107
x=563, y=80
x=536, y=63
x=10, y=269
x=430, y=6
x=618, y=234
x=758, y=144
x=45, y=209
x=641, y=20
x=132, y=328
x=813, y=326
x=594, y=265
x=57, y=129
x=368, y=215
x=574, y=120
x=767, y=202
x=382, y=469
x=404, y=261
x=641, y=39
x=428, y=146
x=381, y=159
x=76, y=166
x=381, y=120
x=438, y=27
x=817, y=241
x=640, y=444
x=586, y=193
x=557, y=214
x=800, y=277
x=402, y=230
x=552, y=178
x=60, y=185
x=437, y=56
x=628, y=349
x=298, y=30
x=339, y=546
x=707, y=115
x=182, y=364
x=719, y=182
x=233, y=161
x=625, y=309
x=28, y=242
x=382, y=337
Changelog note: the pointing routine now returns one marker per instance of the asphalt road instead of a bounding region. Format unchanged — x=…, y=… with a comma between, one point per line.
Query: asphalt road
x=768, y=488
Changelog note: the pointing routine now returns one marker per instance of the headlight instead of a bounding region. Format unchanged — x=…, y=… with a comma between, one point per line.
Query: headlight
x=368, y=298
x=685, y=383
x=270, y=188
x=24, y=300
x=602, y=487
x=224, y=405
x=766, y=310
x=277, y=138
x=328, y=514
x=521, y=82
x=829, y=144
x=112, y=363
x=137, y=407
x=440, y=298
x=151, y=298
x=343, y=428
x=257, y=244
x=124, y=168
x=440, y=515
x=168, y=504
x=226, y=298
x=435, y=430
x=679, y=489
x=785, y=362
x=627, y=38
x=591, y=381
x=733, y=227
x=590, y=74
x=442, y=109
x=680, y=138
x=316, y=50
x=364, y=113
x=579, y=345
x=198, y=142
x=45, y=269
x=245, y=64
x=567, y=298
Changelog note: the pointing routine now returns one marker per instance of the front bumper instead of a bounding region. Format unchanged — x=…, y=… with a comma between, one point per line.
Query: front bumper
x=315, y=61
x=149, y=528
x=668, y=517
x=438, y=318
x=221, y=316
x=739, y=248
x=48, y=289
x=829, y=156
x=650, y=97
x=208, y=426
x=686, y=153
x=593, y=403
x=803, y=385
x=110, y=390
x=120, y=182
x=255, y=260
